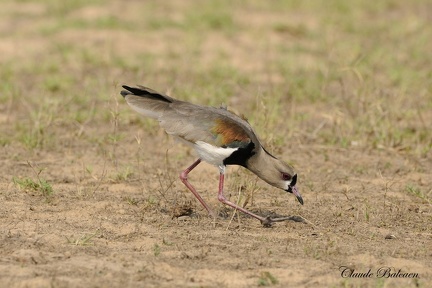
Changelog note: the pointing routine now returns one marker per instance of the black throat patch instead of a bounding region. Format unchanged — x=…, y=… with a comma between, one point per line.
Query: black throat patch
x=241, y=155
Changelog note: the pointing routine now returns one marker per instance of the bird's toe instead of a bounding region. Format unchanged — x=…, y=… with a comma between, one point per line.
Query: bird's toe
x=267, y=222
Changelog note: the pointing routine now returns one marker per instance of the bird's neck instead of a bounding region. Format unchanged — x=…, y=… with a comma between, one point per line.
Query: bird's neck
x=261, y=163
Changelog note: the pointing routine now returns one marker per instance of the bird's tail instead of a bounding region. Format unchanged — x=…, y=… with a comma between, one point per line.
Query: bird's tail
x=146, y=101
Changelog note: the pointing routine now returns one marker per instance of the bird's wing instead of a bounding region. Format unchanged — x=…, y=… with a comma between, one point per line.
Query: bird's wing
x=147, y=101
x=216, y=126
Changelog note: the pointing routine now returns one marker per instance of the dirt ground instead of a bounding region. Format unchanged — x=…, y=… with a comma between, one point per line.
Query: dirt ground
x=118, y=216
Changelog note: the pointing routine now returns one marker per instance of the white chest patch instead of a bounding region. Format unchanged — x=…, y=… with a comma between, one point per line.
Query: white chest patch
x=212, y=154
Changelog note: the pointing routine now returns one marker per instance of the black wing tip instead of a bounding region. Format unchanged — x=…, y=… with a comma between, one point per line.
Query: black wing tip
x=144, y=92
x=124, y=93
x=137, y=91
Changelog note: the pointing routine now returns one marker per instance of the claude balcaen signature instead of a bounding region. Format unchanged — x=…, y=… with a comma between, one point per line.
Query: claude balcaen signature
x=382, y=272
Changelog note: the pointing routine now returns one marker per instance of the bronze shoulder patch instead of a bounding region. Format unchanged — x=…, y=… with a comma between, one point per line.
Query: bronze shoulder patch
x=228, y=133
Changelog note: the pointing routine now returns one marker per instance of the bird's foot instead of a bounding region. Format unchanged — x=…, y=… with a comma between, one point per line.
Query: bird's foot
x=267, y=221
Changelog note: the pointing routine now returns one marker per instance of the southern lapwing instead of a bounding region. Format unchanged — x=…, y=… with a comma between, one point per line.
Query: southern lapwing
x=219, y=137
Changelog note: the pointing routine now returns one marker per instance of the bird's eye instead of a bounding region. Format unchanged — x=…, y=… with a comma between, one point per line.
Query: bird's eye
x=286, y=176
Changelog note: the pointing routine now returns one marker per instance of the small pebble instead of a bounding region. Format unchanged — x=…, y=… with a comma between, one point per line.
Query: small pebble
x=390, y=236
x=184, y=218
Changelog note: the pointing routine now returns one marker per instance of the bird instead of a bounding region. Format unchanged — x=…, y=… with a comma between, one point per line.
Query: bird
x=219, y=137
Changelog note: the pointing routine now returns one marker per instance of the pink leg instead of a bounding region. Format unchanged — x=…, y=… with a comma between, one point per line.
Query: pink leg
x=265, y=221
x=183, y=177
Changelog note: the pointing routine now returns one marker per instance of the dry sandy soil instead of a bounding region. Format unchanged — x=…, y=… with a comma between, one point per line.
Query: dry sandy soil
x=118, y=216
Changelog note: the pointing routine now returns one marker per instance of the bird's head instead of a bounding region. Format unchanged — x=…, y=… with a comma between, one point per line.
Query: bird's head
x=288, y=179
x=292, y=188
x=275, y=172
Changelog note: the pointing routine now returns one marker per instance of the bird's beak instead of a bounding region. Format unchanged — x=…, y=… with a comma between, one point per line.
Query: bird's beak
x=293, y=189
x=296, y=193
